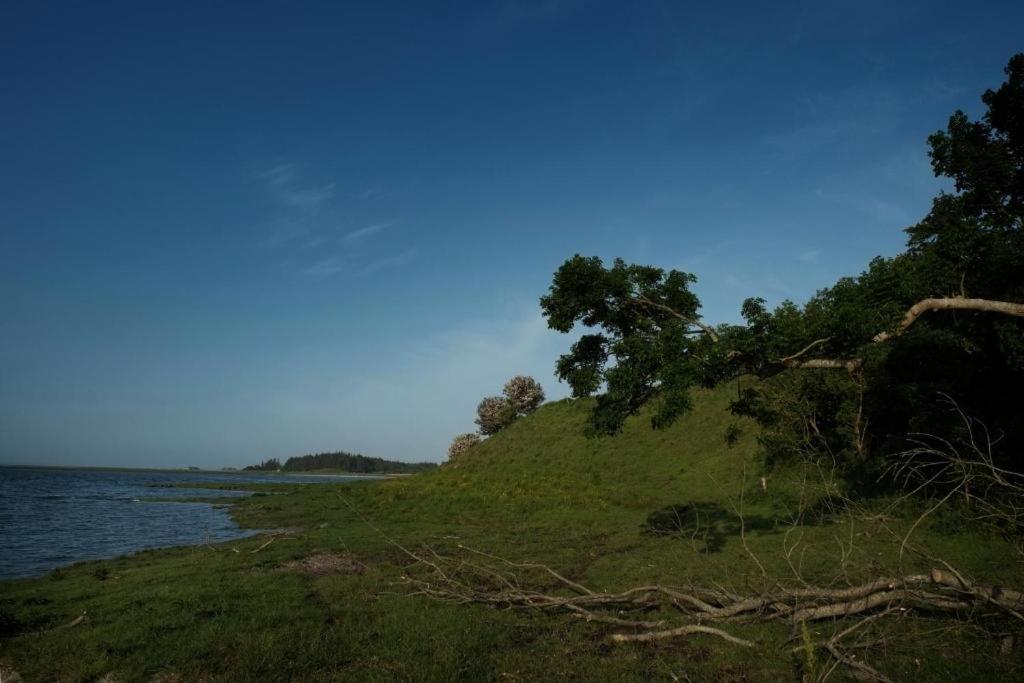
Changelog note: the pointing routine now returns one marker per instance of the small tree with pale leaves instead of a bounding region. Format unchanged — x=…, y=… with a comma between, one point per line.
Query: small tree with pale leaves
x=524, y=394
x=494, y=414
x=461, y=444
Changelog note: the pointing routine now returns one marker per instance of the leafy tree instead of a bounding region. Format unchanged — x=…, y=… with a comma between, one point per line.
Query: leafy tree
x=462, y=444
x=524, y=394
x=649, y=337
x=860, y=364
x=493, y=414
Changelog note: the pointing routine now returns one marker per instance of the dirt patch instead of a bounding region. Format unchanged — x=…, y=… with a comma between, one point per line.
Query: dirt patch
x=322, y=564
x=9, y=675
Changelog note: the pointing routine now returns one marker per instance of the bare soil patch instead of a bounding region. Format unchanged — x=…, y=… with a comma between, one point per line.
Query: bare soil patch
x=322, y=564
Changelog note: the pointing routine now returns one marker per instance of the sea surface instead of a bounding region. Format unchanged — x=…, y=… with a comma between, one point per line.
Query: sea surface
x=51, y=517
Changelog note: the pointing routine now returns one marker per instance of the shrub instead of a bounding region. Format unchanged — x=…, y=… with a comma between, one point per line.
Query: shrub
x=461, y=444
x=494, y=414
x=524, y=394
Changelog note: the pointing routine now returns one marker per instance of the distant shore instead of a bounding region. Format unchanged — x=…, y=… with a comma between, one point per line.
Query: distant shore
x=186, y=470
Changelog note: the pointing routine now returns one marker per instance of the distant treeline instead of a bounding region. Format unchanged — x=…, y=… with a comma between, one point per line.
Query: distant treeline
x=347, y=462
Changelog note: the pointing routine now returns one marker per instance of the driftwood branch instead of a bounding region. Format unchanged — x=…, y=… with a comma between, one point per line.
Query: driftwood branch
x=940, y=590
x=679, y=632
x=709, y=611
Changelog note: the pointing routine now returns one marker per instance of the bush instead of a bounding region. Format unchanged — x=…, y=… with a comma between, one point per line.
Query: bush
x=524, y=394
x=494, y=414
x=461, y=444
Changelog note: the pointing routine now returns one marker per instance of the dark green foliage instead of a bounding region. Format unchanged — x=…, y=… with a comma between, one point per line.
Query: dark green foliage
x=341, y=461
x=851, y=416
x=10, y=625
x=732, y=434
x=970, y=244
x=271, y=465
x=352, y=462
x=649, y=324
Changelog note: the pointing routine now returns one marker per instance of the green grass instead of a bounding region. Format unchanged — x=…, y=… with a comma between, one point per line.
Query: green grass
x=539, y=491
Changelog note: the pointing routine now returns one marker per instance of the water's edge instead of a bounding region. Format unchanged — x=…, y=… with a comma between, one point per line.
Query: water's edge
x=52, y=518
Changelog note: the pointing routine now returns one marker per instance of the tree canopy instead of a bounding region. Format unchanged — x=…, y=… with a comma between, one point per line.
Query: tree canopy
x=874, y=351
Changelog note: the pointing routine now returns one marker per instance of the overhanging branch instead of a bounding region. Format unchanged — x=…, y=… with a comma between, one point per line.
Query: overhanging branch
x=640, y=300
x=954, y=303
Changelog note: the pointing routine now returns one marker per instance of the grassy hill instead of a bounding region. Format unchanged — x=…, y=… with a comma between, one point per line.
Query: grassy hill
x=600, y=511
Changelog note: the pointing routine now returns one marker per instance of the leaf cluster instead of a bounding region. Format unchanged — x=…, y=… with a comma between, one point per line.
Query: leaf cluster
x=648, y=341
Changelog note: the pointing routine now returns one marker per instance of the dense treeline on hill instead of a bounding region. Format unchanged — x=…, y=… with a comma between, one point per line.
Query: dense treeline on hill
x=852, y=378
x=340, y=460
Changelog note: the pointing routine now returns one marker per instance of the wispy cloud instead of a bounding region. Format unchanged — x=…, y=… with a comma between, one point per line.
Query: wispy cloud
x=361, y=233
x=278, y=175
x=374, y=192
x=310, y=231
x=283, y=182
x=810, y=256
x=348, y=264
x=332, y=265
x=284, y=232
x=308, y=198
x=392, y=261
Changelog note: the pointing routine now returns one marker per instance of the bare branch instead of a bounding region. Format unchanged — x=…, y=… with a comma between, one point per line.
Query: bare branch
x=856, y=664
x=848, y=364
x=958, y=303
x=816, y=342
x=681, y=631
x=955, y=303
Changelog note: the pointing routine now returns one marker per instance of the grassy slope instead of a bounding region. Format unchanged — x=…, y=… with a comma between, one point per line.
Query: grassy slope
x=539, y=491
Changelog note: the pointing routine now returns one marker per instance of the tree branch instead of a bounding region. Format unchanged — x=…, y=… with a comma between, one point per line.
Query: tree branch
x=817, y=342
x=955, y=303
x=681, y=631
x=705, y=329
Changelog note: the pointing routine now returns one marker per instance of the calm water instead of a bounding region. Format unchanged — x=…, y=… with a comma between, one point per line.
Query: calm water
x=51, y=517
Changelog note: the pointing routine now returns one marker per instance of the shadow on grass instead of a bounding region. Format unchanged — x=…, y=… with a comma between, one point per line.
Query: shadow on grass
x=708, y=526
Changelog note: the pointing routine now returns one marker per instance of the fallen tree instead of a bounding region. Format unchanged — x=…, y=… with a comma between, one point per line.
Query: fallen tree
x=475, y=577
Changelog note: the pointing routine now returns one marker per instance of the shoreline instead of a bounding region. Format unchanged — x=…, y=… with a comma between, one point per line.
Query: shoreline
x=179, y=470
x=253, y=484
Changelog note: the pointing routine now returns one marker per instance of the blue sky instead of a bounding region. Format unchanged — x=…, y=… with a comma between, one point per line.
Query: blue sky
x=234, y=231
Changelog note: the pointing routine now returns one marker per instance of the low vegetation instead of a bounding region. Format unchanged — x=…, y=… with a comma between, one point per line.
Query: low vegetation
x=681, y=507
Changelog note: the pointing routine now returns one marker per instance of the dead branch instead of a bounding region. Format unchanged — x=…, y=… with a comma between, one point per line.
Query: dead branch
x=941, y=591
x=457, y=580
x=965, y=469
x=253, y=552
x=856, y=664
x=954, y=303
x=681, y=631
